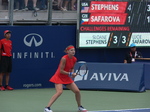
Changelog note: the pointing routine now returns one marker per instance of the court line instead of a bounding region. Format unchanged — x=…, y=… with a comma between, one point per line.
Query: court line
x=125, y=110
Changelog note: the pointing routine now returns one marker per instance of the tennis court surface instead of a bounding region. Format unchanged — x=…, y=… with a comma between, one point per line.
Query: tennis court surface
x=127, y=110
x=34, y=100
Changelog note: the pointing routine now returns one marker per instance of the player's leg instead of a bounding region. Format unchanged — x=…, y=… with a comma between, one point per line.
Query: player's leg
x=7, y=82
x=8, y=70
x=73, y=87
x=59, y=91
x=7, y=78
x=1, y=74
x=1, y=81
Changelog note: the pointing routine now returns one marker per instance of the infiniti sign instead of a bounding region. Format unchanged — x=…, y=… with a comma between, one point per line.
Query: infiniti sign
x=33, y=38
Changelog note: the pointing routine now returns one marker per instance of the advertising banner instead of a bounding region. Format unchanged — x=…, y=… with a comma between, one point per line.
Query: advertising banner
x=37, y=51
x=112, y=76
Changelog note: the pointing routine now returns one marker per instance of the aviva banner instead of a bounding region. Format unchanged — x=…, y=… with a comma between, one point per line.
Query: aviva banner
x=112, y=76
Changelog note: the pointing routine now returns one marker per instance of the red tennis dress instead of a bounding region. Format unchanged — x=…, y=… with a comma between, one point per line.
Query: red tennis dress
x=59, y=78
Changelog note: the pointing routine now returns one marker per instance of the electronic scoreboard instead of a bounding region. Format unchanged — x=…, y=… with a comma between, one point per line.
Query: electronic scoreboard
x=110, y=24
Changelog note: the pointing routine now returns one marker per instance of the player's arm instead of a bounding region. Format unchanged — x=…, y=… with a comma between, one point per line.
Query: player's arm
x=73, y=73
x=72, y=70
x=62, y=66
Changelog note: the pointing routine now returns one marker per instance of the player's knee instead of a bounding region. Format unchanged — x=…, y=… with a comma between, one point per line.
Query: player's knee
x=59, y=93
x=77, y=92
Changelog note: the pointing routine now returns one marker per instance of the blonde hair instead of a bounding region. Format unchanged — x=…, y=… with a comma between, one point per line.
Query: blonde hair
x=67, y=48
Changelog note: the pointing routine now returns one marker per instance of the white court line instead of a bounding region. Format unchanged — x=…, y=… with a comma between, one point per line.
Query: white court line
x=122, y=110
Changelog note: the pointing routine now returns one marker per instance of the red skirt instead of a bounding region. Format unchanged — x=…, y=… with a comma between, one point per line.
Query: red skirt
x=59, y=78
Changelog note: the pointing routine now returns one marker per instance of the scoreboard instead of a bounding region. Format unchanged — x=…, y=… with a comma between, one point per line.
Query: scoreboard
x=110, y=24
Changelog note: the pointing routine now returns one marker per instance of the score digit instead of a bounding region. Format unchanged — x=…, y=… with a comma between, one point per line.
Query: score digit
x=148, y=18
x=129, y=7
x=148, y=7
x=115, y=40
x=129, y=19
x=124, y=39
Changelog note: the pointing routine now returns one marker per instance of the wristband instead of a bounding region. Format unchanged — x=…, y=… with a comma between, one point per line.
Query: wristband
x=70, y=73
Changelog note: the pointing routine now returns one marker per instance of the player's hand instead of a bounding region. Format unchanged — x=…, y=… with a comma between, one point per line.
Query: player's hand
x=74, y=75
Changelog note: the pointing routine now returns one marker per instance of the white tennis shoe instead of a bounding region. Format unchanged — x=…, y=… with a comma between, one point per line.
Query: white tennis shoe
x=47, y=110
x=82, y=109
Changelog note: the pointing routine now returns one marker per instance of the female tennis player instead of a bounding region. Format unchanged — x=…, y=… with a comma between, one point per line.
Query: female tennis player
x=63, y=76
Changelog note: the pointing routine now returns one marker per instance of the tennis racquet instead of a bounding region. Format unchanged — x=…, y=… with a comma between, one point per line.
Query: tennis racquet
x=82, y=70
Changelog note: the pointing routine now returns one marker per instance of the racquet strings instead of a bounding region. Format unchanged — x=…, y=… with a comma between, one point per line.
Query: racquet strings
x=83, y=70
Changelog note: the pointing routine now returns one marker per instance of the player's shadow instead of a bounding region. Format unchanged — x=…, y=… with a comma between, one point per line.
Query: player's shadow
x=66, y=111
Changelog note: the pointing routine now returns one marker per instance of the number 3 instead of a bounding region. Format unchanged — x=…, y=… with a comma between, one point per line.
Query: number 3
x=148, y=9
x=115, y=40
x=123, y=39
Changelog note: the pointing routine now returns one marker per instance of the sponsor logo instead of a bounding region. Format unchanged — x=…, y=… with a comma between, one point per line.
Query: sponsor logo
x=103, y=77
x=33, y=38
x=32, y=85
